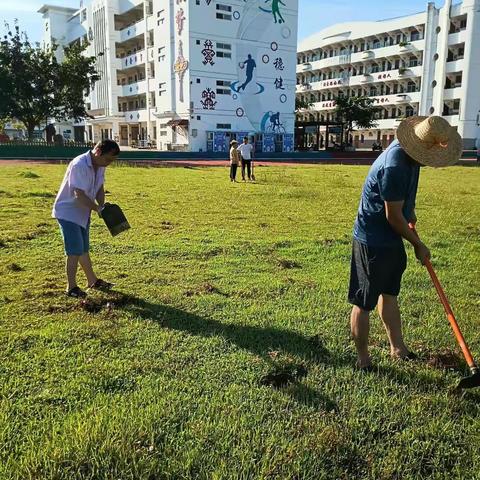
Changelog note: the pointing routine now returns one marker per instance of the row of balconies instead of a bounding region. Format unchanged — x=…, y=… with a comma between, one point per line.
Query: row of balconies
x=392, y=39
x=390, y=51
x=384, y=52
x=390, y=75
x=396, y=99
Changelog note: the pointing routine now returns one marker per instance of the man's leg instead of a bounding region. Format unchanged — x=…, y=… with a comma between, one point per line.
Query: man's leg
x=87, y=267
x=71, y=270
x=389, y=311
x=249, y=169
x=360, y=325
x=243, y=169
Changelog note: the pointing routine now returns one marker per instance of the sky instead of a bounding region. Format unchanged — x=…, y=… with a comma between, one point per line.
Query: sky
x=314, y=15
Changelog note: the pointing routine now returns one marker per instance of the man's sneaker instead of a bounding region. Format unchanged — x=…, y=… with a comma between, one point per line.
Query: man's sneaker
x=76, y=292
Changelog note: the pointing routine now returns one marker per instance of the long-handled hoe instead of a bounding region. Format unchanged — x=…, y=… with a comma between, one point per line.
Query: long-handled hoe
x=474, y=379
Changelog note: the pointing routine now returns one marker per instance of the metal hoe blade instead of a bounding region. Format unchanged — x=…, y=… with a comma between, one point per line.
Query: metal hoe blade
x=472, y=381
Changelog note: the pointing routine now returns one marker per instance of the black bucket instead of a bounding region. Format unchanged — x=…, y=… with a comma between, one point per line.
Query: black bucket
x=114, y=219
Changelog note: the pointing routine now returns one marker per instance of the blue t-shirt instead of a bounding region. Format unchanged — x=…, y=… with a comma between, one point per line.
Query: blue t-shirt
x=393, y=177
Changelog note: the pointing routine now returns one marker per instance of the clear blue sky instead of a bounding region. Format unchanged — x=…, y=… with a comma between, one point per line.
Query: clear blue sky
x=313, y=16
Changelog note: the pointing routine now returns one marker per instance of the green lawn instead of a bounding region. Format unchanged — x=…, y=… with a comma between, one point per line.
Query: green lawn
x=218, y=285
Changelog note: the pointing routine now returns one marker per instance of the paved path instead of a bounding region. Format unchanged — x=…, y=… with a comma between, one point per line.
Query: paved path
x=223, y=163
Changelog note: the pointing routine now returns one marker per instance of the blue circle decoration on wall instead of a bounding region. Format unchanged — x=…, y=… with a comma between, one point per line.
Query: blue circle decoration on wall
x=265, y=59
x=283, y=98
x=236, y=15
x=240, y=112
x=274, y=46
x=286, y=32
x=234, y=96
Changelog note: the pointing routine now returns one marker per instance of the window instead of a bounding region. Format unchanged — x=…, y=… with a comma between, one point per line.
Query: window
x=224, y=50
x=224, y=126
x=220, y=12
x=413, y=62
x=223, y=87
x=415, y=35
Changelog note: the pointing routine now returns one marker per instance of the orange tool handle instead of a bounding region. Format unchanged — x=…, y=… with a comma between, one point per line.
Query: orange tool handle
x=448, y=310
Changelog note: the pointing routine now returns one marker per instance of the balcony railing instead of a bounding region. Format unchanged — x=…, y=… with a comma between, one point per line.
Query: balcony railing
x=135, y=116
x=132, y=31
x=137, y=58
x=135, y=88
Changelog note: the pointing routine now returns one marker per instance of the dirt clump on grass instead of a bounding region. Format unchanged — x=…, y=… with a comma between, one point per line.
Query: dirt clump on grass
x=15, y=267
x=287, y=264
x=284, y=375
x=446, y=360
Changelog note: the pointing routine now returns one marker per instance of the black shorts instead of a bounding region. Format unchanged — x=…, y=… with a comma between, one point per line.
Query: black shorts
x=374, y=271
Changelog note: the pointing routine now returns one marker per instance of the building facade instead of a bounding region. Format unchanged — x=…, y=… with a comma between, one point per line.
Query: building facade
x=186, y=74
x=422, y=64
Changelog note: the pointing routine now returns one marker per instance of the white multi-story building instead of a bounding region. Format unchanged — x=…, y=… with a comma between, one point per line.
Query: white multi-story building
x=427, y=63
x=187, y=74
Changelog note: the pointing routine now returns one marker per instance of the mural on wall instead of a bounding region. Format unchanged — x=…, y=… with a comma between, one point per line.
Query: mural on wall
x=249, y=65
x=271, y=123
x=275, y=10
x=208, y=53
x=265, y=49
x=180, y=20
x=262, y=86
x=180, y=67
x=208, y=99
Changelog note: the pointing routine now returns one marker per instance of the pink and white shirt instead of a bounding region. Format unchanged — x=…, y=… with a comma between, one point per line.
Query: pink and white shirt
x=80, y=175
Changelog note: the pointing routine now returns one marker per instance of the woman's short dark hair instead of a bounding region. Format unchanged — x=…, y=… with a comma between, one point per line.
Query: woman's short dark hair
x=108, y=147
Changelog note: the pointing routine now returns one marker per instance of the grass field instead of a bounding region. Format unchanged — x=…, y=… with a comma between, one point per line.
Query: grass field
x=218, y=286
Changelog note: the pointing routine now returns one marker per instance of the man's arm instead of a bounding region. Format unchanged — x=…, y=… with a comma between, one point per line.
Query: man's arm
x=81, y=196
x=101, y=197
x=394, y=214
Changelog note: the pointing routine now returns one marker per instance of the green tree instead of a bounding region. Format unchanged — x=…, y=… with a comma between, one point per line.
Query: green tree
x=301, y=104
x=35, y=87
x=358, y=111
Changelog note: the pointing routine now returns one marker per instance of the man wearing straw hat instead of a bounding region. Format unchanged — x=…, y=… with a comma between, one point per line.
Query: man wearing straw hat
x=387, y=205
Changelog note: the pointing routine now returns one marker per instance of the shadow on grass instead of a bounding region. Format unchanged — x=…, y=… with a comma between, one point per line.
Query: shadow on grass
x=262, y=341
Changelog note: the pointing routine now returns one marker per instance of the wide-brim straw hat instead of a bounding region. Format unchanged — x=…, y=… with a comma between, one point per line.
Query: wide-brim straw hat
x=431, y=141
x=233, y=142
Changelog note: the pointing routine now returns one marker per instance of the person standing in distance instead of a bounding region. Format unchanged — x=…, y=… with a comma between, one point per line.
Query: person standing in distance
x=387, y=206
x=81, y=192
x=246, y=151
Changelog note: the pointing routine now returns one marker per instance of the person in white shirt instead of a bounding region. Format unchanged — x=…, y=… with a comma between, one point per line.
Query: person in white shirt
x=82, y=192
x=246, y=151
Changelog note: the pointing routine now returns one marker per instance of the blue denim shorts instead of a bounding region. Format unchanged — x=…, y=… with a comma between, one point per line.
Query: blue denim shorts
x=75, y=238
